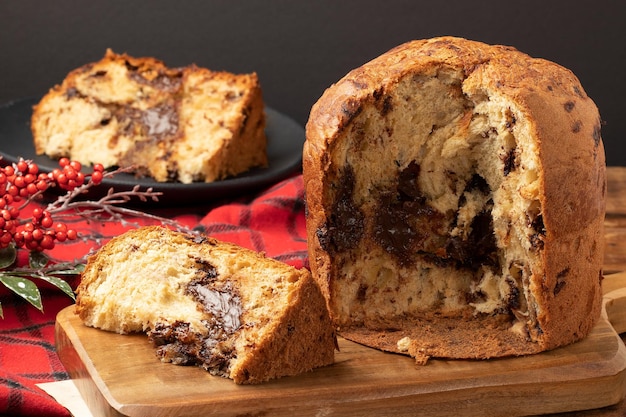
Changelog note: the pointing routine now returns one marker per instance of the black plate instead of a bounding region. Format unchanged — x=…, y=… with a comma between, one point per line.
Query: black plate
x=284, y=150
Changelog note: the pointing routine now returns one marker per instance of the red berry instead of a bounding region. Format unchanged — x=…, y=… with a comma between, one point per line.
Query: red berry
x=37, y=213
x=29, y=178
x=42, y=185
x=33, y=168
x=27, y=235
x=9, y=171
x=15, y=212
x=54, y=174
x=63, y=162
x=72, y=234
x=97, y=177
x=38, y=234
x=47, y=242
x=32, y=188
x=6, y=238
x=47, y=221
x=12, y=190
x=76, y=165
x=10, y=226
x=70, y=172
x=19, y=240
x=22, y=166
x=98, y=168
x=31, y=244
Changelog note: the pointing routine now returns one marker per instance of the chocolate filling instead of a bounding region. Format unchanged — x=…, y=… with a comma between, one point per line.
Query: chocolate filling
x=214, y=349
x=409, y=229
x=344, y=228
x=158, y=123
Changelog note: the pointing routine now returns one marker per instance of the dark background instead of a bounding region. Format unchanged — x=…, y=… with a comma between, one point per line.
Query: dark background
x=299, y=48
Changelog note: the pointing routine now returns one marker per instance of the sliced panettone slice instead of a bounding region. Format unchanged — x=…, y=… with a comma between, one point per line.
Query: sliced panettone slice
x=230, y=310
x=172, y=124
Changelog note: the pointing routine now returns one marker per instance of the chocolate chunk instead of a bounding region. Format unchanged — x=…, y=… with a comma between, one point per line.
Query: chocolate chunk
x=510, y=120
x=477, y=182
x=213, y=350
x=537, y=237
x=382, y=102
x=513, y=300
x=560, y=281
x=344, y=228
x=350, y=109
x=509, y=162
x=218, y=299
x=405, y=224
x=161, y=121
x=569, y=106
x=479, y=249
x=72, y=92
x=394, y=230
x=408, y=188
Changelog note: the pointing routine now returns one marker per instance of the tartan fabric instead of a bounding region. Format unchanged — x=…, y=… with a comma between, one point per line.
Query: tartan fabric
x=272, y=222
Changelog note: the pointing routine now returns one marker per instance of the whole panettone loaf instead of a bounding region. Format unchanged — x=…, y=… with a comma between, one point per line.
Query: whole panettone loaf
x=173, y=124
x=456, y=195
x=204, y=302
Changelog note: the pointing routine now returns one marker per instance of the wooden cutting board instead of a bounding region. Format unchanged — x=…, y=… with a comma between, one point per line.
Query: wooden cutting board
x=120, y=376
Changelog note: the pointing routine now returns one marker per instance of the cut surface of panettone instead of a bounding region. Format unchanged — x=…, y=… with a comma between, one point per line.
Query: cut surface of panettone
x=229, y=310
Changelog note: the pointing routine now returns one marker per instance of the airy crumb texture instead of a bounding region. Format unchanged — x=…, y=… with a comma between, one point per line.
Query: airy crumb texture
x=172, y=124
x=456, y=197
x=204, y=302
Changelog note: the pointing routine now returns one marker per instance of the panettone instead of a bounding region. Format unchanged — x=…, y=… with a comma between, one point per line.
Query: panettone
x=230, y=310
x=172, y=124
x=455, y=198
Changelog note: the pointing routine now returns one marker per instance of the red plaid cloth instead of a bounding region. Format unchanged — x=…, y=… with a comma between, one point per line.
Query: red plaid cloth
x=272, y=221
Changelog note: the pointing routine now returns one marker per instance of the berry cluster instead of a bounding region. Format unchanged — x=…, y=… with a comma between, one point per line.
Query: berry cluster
x=21, y=183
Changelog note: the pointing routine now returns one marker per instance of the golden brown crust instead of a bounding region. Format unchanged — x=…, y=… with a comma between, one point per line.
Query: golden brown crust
x=173, y=124
x=564, y=123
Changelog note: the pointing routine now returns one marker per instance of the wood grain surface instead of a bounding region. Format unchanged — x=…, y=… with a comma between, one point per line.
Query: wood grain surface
x=120, y=375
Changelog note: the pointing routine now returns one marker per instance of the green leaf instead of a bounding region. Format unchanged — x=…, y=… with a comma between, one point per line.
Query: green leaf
x=23, y=287
x=7, y=256
x=37, y=259
x=59, y=283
